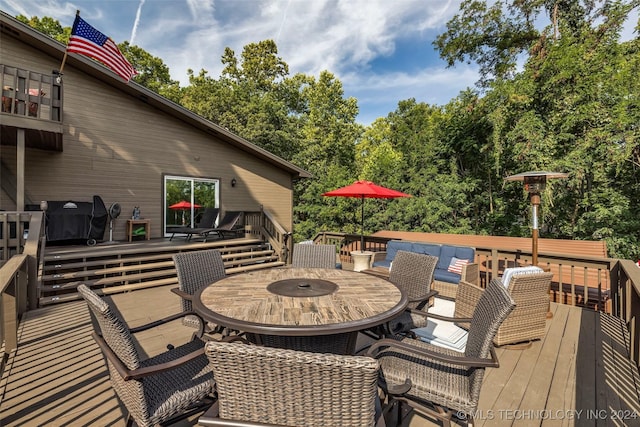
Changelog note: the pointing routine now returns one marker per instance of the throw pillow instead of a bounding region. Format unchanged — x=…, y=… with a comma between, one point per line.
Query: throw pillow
x=456, y=264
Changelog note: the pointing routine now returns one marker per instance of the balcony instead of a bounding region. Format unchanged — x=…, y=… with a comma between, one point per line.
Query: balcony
x=32, y=102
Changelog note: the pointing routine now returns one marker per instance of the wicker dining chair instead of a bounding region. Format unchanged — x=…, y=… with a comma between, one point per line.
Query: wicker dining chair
x=313, y=256
x=412, y=273
x=195, y=270
x=260, y=386
x=530, y=291
x=440, y=382
x=167, y=387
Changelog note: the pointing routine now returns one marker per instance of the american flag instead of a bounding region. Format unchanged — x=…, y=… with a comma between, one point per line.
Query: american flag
x=88, y=41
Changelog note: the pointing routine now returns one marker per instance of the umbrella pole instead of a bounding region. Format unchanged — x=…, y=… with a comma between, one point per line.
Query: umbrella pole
x=362, y=223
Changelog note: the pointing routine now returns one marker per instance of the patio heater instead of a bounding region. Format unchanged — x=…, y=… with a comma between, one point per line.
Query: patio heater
x=534, y=184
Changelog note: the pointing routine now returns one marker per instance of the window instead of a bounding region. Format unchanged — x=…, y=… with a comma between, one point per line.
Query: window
x=189, y=197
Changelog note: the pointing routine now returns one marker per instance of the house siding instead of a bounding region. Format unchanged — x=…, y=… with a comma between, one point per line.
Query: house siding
x=117, y=146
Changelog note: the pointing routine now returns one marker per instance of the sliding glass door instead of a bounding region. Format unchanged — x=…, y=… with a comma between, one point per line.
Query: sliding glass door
x=186, y=198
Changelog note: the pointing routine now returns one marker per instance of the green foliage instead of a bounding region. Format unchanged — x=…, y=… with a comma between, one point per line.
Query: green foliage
x=48, y=26
x=488, y=36
x=152, y=71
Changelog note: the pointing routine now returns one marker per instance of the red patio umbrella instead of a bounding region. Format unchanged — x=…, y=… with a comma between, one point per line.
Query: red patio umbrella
x=184, y=205
x=365, y=189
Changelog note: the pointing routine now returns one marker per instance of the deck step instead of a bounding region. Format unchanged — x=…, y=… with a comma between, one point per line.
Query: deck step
x=73, y=296
x=104, y=263
x=112, y=280
x=120, y=268
x=253, y=267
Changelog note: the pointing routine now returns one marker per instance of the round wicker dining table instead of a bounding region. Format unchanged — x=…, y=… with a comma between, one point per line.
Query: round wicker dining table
x=310, y=309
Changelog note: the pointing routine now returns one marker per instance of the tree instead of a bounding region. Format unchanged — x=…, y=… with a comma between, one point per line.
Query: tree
x=327, y=149
x=492, y=37
x=153, y=73
x=48, y=26
x=251, y=98
x=573, y=109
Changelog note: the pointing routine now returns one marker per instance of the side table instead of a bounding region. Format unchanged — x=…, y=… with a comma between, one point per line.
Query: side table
x=361, y=260
x=144, y=222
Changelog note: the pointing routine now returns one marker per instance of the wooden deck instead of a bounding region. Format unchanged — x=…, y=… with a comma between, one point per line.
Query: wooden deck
x=58, y=377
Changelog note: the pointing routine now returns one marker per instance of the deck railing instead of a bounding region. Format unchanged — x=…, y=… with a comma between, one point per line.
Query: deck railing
x=606, y=284
x=30, y=94
x=625, y=295
x=22, y=234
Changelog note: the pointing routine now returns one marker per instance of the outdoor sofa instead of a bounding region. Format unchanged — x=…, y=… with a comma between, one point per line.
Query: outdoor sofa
x=455, y=263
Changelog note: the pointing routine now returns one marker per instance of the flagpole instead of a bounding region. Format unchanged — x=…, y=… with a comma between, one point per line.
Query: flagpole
x=64, y=58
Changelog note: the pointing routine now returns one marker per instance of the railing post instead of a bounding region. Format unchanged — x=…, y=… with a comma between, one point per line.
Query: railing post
x=9, y=318
x=13, y=279
x=495, y=268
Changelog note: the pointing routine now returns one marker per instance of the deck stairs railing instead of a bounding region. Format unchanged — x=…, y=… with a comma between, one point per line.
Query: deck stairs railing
x=21, y=235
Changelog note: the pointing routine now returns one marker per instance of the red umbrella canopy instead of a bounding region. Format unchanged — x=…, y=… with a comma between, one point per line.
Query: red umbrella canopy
x=366, y=189
x=362, y=190
x=184, y=205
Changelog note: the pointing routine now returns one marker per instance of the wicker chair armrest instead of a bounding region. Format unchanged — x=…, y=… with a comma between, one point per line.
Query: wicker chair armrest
x=471, y=273
x=182, y=294
x=424, y=299
x=134, y=374
x=378, y=256
x=438, y=316
x=424, y=353
x=167, y=319
x=171, y=318
x=432, y=293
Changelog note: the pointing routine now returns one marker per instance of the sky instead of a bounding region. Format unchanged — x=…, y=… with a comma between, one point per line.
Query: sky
x=382, y=51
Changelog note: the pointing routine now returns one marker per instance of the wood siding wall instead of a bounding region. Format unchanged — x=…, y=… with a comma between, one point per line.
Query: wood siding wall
x=118, y=147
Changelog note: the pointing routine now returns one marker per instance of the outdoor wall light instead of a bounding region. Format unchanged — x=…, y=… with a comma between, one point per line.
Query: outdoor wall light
x=233, y=182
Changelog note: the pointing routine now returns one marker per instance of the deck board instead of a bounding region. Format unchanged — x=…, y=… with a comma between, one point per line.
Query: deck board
x=561, y=394
x=58, y=376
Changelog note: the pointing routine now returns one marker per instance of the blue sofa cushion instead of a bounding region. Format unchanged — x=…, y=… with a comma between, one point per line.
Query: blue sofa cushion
x=426, y=249
x=446, y=276
x=447, y=252
x=394, y=246
x=444, y=253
